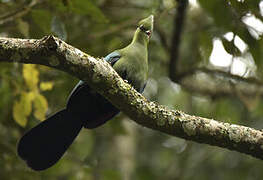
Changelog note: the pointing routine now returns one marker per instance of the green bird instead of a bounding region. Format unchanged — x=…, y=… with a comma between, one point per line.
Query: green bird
x=42, y=146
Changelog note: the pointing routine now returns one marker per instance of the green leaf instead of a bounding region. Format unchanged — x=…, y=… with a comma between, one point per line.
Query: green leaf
x=42, y=18
x=40, y=107
x=220, y=11
x=86, y=7
x=244, y=7
x=240, y=7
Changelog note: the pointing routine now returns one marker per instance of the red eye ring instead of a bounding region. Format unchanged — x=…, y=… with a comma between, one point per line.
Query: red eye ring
x=148, y=33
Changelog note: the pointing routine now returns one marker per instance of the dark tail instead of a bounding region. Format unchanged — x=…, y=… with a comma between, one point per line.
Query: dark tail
x=46, y=143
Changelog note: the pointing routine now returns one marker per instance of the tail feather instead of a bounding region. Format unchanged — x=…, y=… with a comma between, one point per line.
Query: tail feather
x=46, y=143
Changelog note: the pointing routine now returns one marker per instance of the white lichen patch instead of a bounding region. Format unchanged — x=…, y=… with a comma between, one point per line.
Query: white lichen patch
x=145, y=110
x=102, y=70
x=122, y=86
x=79, y=52
x=213, y=124
x=234, y=133
x=171, y=120
x=177, y=112
x=98, y=72
x=248, y=135
x=31, y=41
x=92, y=59
x=189, y=128
x=53, y=61
x=71, y=57
x=154, y=106
x=214, y=127
x=261, y=147
x=139, y=103
x=165, y=113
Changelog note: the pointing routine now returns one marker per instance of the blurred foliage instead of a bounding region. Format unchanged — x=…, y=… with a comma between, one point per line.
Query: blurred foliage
x=31, y=95
x=121, y=149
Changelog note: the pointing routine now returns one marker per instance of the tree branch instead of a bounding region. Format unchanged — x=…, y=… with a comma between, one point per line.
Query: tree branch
x=53, y=52
x=221, y=73
x=217, y=83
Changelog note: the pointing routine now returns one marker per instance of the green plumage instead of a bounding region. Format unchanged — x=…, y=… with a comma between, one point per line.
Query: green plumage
x=133, y=64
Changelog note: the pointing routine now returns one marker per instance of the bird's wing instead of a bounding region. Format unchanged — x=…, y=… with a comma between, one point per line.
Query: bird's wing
x=112, y=58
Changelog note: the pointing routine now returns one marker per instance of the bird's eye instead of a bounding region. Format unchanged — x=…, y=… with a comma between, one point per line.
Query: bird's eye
x=146, y=31
x=142, y=28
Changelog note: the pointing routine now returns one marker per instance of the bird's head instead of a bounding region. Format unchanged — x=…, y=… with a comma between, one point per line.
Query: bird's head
x=144, y=30
x=146, y=25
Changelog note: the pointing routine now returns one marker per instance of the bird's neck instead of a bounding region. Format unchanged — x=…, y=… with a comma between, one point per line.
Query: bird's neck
x=140, y=37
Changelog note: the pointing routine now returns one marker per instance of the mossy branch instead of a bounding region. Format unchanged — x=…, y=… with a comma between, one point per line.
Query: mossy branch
x=53, y=52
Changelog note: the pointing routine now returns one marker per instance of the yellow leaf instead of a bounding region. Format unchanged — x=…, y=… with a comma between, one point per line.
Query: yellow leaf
x=23, y=108
x=40, y=107
x=26, y=102
x=45, y=86
x=19, y=115
x=30, y=74
x=31, y=95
